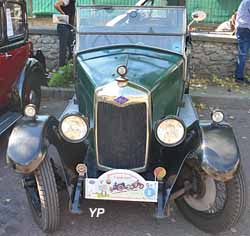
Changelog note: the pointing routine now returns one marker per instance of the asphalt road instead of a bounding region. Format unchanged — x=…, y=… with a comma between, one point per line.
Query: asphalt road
x=120, y=219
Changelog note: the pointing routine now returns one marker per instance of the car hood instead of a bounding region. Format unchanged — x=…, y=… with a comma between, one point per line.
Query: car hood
x=147, y=67
x=156, y=72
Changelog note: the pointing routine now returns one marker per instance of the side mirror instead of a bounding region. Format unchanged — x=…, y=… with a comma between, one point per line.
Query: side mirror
x=60, y=19
x=199, y=16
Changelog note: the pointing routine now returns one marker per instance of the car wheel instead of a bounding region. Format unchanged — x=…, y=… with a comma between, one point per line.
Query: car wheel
x=42, y=195
x=217, y=206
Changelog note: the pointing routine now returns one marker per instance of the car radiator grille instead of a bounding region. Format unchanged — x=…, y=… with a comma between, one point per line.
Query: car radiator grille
x=121, y=135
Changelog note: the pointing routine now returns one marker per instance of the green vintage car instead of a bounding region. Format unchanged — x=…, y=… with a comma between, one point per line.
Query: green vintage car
x=131, y=133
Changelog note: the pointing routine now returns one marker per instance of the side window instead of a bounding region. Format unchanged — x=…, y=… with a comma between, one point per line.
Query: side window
x=1, y=23
x=14, y=20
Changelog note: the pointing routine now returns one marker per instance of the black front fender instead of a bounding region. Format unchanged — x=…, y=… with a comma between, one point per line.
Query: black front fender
x=28, y=143
x=219, y=152
x=32, y=73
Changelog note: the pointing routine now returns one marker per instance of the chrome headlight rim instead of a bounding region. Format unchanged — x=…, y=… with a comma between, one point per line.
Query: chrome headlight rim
x=27, y=113
x=217, y=111
x=84, y=118
x=169, y=118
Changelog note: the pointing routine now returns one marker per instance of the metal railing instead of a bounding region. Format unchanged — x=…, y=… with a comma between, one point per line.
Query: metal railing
x=217, y=10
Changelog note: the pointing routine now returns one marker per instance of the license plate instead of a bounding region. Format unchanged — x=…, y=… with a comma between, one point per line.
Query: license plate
x=121, y=185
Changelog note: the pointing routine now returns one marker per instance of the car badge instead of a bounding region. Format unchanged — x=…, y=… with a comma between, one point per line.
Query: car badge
x=121, y=100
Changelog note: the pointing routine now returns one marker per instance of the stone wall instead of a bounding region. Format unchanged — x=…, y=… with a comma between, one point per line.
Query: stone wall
x=212, y=54
x=46, y=39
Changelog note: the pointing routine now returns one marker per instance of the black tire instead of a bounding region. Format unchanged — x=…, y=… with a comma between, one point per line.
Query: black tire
x=44, y=191
x=223, y=220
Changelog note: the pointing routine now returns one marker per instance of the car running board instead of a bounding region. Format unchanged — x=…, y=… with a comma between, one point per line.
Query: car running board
x=8, y=119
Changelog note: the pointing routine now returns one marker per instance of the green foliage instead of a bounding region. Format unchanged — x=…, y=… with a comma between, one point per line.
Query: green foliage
x=225, y=82
x=63, y=77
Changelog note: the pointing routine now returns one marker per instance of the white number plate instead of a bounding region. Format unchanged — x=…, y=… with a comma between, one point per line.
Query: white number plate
x=122, y=185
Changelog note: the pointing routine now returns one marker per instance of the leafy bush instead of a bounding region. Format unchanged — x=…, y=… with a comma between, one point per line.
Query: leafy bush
x=63, y=77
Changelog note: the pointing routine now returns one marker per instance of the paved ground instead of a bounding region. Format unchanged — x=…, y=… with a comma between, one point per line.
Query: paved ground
x=121, y=219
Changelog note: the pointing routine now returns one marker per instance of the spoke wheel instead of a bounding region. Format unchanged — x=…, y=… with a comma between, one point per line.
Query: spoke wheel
x=42, y=195
x=216, y=206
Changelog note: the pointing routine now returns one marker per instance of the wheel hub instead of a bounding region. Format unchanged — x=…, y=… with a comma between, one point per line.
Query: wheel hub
x=207, y=200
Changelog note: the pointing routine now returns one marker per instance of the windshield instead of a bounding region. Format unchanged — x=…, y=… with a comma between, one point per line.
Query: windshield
x=163, y=27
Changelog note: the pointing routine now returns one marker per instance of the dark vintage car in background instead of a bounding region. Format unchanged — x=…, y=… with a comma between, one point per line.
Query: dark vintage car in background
x=131, y=132
x=19, y=73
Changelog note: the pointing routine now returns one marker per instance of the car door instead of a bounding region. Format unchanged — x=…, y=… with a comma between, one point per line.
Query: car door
x=2, y=42
x=14, y=51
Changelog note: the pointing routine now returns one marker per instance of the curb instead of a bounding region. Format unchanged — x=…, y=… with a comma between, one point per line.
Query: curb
x=223, y=102
x=219, y=96
x=67, y=93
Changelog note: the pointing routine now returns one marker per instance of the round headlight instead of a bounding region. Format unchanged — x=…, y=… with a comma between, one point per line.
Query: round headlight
x=217, y=116
x=170, y=132
x=30, y=110
x=74, y=128
x=122, y=70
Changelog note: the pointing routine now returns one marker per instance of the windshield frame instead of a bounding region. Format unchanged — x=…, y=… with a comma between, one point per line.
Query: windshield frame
x=129, y=33
x=78, y=33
